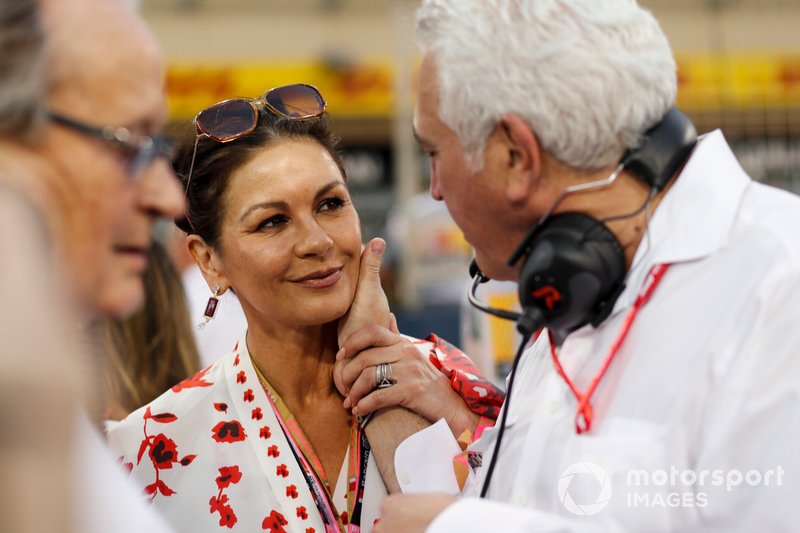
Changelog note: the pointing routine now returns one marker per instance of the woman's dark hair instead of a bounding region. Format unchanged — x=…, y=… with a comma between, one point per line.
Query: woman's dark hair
x=215, y=162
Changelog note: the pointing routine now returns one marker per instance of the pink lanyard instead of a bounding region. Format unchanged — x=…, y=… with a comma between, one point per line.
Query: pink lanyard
x=321, y=499
x=583, y=416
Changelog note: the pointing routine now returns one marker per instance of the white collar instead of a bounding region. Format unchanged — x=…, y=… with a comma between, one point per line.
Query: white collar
x=696, y=215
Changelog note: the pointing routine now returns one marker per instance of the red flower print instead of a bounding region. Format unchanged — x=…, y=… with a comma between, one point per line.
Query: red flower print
x=309, y=530
x=301, y=513
x=282, y=471
x=272, y=451
x=344, y=517
x=221, y=407
x=163, y=452
x=228, y=432
x=236, y=359
x=274, y=522
x=265, y=433
x=241, y=377
x=480, y=395
x=186, y=461
x=194, y=381
x=248, y=395
x=228, y=475
x=217, y=503
x=227, y=517
x=256, y=415
x=160, y=486
x=291, y=491
x=128, y=467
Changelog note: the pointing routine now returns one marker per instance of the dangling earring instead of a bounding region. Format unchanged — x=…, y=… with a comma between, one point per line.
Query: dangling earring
x=211, y=307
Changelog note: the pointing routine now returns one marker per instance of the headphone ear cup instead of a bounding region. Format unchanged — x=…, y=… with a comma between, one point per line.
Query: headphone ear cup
x=574, y=272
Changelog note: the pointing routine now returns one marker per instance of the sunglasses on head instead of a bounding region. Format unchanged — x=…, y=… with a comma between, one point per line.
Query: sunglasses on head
x=139, y=151
x=230, y=119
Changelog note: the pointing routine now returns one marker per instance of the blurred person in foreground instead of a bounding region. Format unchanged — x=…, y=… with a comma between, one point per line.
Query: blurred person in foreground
x=152, y=349
x=82, y=178
x=694, y=424
x=260, y=440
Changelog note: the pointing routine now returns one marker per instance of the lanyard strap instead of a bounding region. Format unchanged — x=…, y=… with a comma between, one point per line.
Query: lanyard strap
x=356, y=475
x=583, y=416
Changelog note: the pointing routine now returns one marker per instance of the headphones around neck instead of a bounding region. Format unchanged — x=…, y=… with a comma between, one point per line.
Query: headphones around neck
x=573, y=266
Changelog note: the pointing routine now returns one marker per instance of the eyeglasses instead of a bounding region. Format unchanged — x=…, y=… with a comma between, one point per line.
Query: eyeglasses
x=230, y=119
x=139, y=151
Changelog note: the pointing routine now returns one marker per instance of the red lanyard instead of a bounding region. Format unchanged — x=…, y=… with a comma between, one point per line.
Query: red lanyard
x=583, y=416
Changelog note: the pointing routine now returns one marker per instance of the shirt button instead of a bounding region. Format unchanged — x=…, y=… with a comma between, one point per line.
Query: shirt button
x=404, y=478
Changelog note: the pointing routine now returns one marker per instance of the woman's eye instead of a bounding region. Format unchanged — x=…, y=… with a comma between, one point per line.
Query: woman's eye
x=331, y=204
x=273, y=222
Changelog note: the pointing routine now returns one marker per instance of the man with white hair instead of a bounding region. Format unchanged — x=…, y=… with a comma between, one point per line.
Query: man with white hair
x=664, y=392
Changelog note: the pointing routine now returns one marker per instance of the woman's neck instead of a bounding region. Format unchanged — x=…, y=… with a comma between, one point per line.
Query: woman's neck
x=297, y=362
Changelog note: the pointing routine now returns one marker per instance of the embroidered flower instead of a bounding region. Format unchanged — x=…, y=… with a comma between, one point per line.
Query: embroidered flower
x=228, y=432
x=272, y=451
x=194, y=381
x=241, y=377
x=265, y=433
x=282, y=471
x=163, y=452
x=301, y=513
x=248, y=395
x=256, y=414
x=227, y=517
x=274, y=522
x=228, y=475
x=291, y=491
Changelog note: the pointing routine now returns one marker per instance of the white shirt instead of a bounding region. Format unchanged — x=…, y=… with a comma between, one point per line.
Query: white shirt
x=697, y=421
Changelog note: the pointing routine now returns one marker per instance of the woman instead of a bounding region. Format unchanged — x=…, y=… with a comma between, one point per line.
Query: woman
x=154, y=348
x=261, y=440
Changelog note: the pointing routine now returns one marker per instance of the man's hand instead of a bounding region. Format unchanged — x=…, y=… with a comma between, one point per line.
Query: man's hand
x=370, y=305
x=410, y=513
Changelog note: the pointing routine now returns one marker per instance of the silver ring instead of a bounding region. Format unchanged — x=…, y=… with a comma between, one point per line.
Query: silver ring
x=383, y=376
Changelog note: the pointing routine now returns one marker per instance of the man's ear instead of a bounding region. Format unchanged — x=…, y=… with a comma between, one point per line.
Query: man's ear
x=522, y=155
x=208, y=259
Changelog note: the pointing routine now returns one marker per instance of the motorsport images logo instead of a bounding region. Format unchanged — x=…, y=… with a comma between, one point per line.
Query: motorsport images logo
x=601, y=486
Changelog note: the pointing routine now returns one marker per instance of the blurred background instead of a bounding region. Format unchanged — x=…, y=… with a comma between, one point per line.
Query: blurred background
x=738, y=67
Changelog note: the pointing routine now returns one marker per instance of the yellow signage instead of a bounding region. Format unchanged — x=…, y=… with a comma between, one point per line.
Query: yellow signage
x=743, y=80
x=363, y=91
x=366, y=90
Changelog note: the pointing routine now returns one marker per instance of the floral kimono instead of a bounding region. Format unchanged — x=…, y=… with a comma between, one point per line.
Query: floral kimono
x=220, y=451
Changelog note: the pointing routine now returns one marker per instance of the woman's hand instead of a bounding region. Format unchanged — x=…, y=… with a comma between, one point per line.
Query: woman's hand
x=419, y=385
x=370, y=305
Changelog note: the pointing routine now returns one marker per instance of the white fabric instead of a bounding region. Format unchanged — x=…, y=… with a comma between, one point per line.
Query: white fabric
x=414, y=451
x=220, y=334
x=271, y=484
x=103, y=499
x=705, y=387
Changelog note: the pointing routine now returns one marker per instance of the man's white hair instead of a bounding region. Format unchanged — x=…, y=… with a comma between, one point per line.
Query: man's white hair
x=588, y=76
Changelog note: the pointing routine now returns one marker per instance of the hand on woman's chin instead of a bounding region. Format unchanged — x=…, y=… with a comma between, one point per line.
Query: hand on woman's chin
x=370, y=305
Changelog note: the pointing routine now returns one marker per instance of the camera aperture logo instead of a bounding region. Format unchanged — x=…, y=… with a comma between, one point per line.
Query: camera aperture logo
x=584, y=471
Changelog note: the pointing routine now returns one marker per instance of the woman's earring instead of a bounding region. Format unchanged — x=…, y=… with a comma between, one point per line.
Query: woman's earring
x=211, y=307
